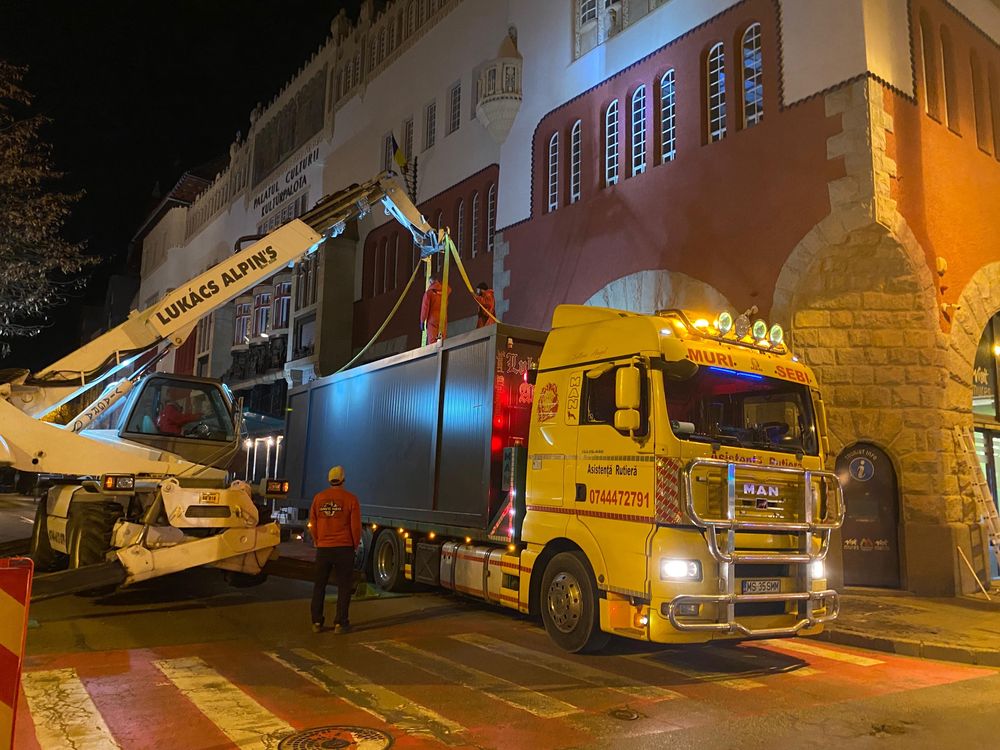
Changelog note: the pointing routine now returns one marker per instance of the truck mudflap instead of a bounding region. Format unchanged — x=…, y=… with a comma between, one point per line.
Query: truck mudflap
x=812, y=532
x=243, y=550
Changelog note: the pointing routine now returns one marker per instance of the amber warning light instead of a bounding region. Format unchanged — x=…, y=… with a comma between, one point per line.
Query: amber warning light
x=276, y=487
x=118, y=482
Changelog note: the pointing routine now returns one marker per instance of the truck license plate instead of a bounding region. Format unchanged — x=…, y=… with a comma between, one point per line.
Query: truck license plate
x=762, y=586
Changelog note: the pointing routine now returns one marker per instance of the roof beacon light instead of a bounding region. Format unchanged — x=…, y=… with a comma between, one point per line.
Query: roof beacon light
x=725, y=324
x=701, y=323
x=777, y=335
x=759, y=330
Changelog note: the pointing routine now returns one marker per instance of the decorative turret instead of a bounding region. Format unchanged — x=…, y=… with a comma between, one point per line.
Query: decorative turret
x=500, y=90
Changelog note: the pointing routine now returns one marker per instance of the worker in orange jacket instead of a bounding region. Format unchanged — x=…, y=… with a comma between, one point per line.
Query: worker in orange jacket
x=484, y=296
x=430, y=309
x=335, y=522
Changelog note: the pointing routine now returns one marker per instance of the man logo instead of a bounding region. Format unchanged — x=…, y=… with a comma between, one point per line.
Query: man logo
x=760, y=490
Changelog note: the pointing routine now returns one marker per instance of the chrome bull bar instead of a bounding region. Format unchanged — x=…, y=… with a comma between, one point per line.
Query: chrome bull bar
x=728, y=556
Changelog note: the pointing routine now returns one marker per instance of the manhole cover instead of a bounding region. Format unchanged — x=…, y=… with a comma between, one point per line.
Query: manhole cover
x=625, y=714
x=337, y=738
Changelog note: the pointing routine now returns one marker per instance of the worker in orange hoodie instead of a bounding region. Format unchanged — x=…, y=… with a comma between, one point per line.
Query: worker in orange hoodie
x=487, y=302
x=430, y=309
x=335, y=521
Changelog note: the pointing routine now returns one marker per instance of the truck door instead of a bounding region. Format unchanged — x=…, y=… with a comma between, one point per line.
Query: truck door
x=615, y=472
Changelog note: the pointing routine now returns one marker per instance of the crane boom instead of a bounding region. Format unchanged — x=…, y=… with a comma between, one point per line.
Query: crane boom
x=174, y=317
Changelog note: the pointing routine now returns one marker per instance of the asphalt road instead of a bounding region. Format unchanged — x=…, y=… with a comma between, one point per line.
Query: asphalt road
x=187, y=662
x=17, y=513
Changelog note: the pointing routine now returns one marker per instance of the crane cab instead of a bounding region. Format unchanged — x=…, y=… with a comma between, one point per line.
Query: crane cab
x=194, y=418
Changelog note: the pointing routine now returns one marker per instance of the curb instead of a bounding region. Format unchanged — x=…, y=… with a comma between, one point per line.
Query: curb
x=909, y=647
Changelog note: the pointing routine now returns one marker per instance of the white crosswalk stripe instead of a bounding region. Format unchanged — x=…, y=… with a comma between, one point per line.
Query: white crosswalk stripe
x=581, y=672
x=733, y=683
x=370, y=697
x=64, y=714
x=802, y=647
x=240, y=717
x=509, y=692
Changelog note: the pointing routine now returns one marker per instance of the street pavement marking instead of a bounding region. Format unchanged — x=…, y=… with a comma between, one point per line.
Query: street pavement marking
x=382, y=703
x=826, y=653
x=63, y=712
x=503, y=690
x=733, y=683
x=744, y=657
x=240, y=717
x=625, y=685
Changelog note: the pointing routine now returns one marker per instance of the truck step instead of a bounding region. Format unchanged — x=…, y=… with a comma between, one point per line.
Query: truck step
x=102, y=575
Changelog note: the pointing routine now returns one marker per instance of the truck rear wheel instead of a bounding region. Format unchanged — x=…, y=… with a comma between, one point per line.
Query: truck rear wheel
x=46, y=559
x=569, y=604
x=387, y=562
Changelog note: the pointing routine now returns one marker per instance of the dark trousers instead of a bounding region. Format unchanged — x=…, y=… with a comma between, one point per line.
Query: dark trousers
x=341, y=561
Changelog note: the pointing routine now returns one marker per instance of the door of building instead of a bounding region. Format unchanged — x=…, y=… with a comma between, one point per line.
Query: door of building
x=988, y=451
x=870, y=535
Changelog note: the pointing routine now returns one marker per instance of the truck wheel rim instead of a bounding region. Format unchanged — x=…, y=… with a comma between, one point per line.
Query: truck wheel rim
x=565, y=602
x=386, y=562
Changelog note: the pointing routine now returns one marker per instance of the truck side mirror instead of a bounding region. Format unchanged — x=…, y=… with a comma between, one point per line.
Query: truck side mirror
x=627, y=420
x=627, y=388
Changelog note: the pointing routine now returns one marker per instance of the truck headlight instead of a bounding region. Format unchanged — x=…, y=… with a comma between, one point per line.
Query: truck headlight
x=680, y=570
x=817, y=569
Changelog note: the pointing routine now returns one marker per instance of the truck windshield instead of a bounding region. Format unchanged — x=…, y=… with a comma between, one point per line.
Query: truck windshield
x=742, y=409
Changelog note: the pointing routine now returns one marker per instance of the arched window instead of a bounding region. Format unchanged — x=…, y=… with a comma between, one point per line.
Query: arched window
x=948, y=75
x=981, y=103
x=491, y=218
x=575, y=161
x=668, y=117
x=554, y=172
x=994, y=84
x=460, y=227
x=475, y=224
x=753, y=77
x=931, y=67
x=639, y=131
x=588, y=11
x=715, y=82
x=611, y=144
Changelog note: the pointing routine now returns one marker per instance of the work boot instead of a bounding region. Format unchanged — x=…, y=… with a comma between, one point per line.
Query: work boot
x=342, y=629
x=317, y=627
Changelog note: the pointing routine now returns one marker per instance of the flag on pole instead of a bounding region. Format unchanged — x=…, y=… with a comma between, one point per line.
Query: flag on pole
x=397, y=153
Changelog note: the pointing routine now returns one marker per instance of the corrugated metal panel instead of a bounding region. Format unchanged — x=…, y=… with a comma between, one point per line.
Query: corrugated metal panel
x=293, y=446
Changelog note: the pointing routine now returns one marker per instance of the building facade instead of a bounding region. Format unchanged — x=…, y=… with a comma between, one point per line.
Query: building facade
x=835, y=164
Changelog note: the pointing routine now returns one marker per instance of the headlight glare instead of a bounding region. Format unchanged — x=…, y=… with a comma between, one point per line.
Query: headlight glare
x=817, y=569
x=680, y=570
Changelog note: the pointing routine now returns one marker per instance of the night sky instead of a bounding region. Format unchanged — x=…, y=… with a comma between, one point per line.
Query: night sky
x=140, y=91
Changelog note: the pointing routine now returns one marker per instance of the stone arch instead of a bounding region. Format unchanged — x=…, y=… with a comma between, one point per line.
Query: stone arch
x=979, y=301
x=658, y=289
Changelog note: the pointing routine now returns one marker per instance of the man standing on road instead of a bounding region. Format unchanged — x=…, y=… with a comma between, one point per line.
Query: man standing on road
x=335, y=521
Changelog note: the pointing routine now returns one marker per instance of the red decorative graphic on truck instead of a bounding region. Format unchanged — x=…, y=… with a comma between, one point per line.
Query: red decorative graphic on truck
x=548, y=402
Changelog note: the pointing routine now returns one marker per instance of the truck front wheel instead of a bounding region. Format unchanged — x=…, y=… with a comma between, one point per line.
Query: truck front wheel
x=387, y=562
x=569, y=604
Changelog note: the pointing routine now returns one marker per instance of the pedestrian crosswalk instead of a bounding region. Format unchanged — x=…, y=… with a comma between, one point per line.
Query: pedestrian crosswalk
x=463, y=689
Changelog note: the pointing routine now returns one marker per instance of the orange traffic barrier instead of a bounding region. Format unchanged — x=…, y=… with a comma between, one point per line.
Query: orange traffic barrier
x=15, y=593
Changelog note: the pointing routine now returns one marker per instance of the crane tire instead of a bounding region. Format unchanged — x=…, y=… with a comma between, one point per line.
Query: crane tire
x=89, y=531
x=387, y=562
x=45, y=558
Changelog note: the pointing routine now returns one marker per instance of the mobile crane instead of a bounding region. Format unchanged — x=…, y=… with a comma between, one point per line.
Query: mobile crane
x=138, y=480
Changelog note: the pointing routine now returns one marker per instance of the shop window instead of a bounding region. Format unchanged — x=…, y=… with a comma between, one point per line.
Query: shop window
x=715, y=80
x=611, y=144
x=553, y=203
x=575, y=161
x=668, y=117
x=753, y=77
x=639, y=131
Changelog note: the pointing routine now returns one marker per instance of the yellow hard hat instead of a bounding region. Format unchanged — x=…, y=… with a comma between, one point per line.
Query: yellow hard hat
x=336, y=475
